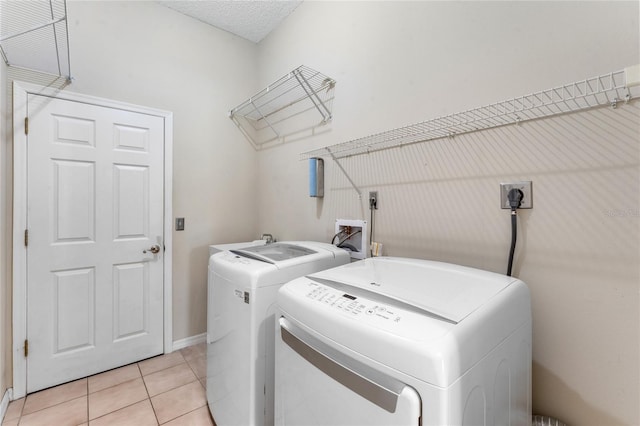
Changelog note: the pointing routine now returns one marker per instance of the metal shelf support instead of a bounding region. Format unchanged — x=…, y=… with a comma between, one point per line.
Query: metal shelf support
x=313, y=95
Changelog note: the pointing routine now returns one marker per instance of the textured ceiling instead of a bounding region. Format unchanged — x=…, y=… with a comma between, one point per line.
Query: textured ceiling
x=252, y=20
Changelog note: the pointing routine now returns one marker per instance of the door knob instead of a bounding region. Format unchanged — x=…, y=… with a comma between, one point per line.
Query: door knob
x=154, y=249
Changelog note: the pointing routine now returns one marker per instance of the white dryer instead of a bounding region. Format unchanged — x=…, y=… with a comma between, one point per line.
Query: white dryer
x=242, y=288
x=391, y=341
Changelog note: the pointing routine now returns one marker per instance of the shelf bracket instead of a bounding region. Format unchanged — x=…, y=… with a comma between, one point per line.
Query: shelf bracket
x=313, y=96
x=345, y=173
x=35, y=28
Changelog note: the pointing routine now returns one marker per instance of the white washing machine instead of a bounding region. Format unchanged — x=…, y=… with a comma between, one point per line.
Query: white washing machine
x=217, y=248
x=391, y=341
x=243, y=284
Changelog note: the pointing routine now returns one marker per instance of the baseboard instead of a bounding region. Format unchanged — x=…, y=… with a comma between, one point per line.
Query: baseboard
x=189, y=341
x=5, y=403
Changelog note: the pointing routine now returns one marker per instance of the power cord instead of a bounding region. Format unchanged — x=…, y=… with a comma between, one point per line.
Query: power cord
x=373, y=205
x=515, y=199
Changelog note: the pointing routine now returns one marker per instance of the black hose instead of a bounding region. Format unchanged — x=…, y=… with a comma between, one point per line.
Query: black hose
x=514, y=236
x=341, y=242
x=342, y=231
x=348, y=246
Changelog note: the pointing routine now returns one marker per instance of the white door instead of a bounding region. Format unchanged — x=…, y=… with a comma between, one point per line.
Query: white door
x=94, y=220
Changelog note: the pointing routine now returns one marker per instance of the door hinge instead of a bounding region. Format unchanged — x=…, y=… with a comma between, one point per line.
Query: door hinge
x=26, y=125
x=26, y=348
x=26, y=237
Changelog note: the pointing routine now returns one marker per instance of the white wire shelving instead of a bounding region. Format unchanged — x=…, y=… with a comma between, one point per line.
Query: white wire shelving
x=34, y=35
x=609, y=89
x=297, y=101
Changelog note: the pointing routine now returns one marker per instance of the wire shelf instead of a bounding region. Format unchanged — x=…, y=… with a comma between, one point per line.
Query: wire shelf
x=297, y=96
x=608, y=89
x=35, y=36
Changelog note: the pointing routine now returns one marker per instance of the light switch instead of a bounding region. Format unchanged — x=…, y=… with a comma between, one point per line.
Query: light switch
x=179, y=223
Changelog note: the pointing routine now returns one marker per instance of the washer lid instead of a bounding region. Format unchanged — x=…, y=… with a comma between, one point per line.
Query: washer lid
x=442, y=289
x=272, y=253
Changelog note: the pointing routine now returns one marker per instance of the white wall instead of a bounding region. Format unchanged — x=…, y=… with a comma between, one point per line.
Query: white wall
x=397, y=63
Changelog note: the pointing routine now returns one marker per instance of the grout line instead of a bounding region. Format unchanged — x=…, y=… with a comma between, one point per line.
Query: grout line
x=182, y=415
x=22, y=414
x=24, y=400
x=148, y=396
x=120, y=384
x=189, y=412
x=195, y=373
x=120, y=409
x=177, y=387
x=52, y=406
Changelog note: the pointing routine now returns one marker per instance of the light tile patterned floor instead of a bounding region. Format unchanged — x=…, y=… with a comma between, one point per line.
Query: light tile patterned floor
x=165, y=390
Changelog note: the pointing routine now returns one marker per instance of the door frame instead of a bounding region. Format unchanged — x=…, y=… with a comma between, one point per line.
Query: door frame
x=21, y=91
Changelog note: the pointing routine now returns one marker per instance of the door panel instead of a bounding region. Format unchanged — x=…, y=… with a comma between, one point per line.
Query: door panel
x=130, y=138
x=73, y=130
x=74, y=310
x=131, y=197
x=73, y=201
x=95, y=205
x=131, y=296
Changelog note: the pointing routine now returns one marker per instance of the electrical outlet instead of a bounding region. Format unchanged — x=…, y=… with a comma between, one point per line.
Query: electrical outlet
x=373, y=200
x=525, y=187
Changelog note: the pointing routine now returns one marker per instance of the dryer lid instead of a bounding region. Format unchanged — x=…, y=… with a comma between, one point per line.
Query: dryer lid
x=272, y=253
x=445, y=290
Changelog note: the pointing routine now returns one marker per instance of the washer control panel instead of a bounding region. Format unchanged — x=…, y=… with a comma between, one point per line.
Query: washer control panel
x=352, y=305
x=331, y=305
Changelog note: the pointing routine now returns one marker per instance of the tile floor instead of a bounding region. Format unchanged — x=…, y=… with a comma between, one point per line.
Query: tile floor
x=165, y=390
